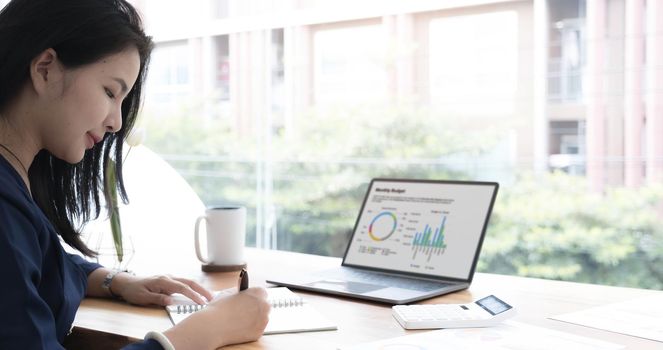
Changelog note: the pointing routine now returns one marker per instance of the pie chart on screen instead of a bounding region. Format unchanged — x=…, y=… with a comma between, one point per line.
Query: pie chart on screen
x=382, y=226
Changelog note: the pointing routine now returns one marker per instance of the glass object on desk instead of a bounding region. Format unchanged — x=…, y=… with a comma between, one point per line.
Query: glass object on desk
x=157, y=221
x=101, y=241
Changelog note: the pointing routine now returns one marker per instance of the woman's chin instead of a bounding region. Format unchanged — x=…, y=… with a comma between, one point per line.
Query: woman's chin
x=72, y=158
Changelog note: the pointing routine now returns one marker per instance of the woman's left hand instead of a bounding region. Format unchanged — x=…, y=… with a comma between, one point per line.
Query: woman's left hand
x=157, y=289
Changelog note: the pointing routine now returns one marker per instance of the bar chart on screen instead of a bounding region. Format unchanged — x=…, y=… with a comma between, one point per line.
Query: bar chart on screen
x=429, y=242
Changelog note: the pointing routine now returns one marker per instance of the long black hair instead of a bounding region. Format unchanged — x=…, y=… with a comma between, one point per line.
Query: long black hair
x=81, y=32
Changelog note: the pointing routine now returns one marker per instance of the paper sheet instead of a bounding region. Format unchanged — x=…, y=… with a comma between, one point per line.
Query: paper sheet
x=509, y=335
x=641, y=317
x=289, y=313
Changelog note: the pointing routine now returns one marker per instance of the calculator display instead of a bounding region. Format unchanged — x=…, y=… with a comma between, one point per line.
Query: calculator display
x=493, y=305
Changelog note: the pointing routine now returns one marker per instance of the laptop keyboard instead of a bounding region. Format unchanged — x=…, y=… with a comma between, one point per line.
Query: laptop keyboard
x=386, y=280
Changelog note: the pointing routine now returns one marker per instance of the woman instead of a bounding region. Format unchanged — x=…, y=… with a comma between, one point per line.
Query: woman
x=71, y=73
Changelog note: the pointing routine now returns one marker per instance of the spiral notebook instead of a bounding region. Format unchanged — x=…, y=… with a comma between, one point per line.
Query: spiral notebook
x=290, y=313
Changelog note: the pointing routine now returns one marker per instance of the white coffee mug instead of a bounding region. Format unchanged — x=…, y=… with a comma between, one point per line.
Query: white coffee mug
x=226, y=234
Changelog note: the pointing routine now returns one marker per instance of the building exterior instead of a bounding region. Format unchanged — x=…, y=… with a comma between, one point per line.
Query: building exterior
x=578, y=81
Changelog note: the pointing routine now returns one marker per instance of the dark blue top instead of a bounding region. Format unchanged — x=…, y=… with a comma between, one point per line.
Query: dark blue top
x=42, y=285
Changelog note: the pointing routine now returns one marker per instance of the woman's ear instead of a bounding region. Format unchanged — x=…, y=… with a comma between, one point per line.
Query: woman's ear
x=44, y=70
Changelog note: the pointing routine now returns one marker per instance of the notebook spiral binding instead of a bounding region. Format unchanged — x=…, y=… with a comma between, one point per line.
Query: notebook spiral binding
x=286, y=302
x=275, y=303
x=187, y=309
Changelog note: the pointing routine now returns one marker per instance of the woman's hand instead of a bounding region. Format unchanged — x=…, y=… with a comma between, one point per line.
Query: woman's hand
x=235, y=319
x=156, y=289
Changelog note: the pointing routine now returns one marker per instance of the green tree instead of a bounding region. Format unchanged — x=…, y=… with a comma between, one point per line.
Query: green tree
x=554, y=227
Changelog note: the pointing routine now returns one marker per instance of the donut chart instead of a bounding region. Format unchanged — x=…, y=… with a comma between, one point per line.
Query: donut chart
x=382, y=226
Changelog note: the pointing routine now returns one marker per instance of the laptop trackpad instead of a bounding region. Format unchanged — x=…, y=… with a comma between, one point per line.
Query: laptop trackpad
x=345, y=286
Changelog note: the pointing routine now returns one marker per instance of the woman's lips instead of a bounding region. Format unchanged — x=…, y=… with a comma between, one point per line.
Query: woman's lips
x=91, y=140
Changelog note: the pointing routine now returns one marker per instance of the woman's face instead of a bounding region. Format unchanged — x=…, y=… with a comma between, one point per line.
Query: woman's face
x=86, y=104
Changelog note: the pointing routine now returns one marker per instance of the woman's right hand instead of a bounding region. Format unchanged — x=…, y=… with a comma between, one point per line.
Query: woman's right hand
x=238, y=318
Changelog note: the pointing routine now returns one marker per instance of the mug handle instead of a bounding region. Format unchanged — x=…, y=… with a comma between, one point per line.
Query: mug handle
x=197, y=240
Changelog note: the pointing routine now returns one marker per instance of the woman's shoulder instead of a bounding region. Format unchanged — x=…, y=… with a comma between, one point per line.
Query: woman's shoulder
x=13, y=195
x=10, y=181
x=22, y=225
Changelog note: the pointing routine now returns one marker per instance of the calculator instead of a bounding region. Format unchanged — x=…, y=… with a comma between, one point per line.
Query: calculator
x=484, y=312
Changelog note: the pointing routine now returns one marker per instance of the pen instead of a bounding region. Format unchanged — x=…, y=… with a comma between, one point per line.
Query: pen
x=243, y=282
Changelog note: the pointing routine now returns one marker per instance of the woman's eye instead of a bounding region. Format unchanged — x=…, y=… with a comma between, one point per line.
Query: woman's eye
x=109, y=93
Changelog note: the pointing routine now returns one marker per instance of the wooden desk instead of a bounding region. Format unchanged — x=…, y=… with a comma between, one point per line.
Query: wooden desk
x=360, y=321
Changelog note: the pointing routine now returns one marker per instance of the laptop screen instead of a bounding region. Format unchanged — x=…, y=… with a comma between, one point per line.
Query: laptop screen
x=432, y=228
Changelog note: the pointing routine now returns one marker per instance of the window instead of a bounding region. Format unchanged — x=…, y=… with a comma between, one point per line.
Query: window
x=291, y=110
x=567, y=147
x=349, y=65
x=481, y=64
x=170, y=74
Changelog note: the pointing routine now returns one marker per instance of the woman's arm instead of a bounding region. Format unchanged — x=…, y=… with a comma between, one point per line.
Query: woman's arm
x=239, y=318
x=144, y=290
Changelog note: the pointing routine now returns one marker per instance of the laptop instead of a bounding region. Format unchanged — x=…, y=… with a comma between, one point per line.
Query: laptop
x=413, y=239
